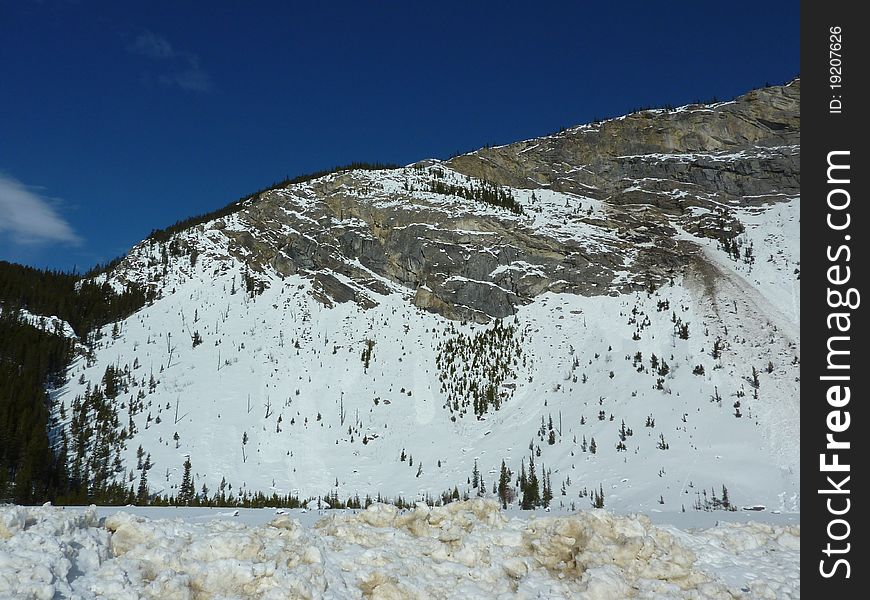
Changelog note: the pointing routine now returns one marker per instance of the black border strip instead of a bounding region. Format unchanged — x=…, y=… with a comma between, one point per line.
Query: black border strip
x=833, y=249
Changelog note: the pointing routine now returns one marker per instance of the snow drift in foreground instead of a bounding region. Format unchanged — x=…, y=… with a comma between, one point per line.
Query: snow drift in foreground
x=462, y=550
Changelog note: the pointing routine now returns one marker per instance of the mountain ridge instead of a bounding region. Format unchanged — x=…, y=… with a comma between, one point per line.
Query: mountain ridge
x=300, y=344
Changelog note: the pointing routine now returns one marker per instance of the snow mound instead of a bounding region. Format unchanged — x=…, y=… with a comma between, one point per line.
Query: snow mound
x=465, y=549
x=43, y=550
x=743, y=555
x=472, y=547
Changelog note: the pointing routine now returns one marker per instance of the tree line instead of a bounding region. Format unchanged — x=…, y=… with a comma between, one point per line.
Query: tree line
x=33, y=360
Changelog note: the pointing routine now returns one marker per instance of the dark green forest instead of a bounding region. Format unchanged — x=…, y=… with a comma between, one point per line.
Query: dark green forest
x=34, y=359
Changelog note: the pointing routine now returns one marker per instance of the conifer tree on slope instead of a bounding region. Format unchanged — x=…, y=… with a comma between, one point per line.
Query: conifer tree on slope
x=504, y=482
x=186, y=492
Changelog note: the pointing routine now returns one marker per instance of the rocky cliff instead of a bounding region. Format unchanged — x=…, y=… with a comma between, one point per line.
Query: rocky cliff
x=602, y=209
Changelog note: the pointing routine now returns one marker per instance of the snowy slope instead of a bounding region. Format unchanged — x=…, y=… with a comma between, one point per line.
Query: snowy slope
x=52, y=324
x=284, y=370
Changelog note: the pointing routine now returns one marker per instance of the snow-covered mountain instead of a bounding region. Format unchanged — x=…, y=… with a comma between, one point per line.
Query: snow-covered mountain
x=619, y=301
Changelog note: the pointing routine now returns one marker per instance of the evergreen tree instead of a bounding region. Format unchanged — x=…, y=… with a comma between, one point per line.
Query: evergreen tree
x=186, y=491
x=598, y=497
x=531, y=491
x=504, y=481
x=142, y=493
x=548, y=490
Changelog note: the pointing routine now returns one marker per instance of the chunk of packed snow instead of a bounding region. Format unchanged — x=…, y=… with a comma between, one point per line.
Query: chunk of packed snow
x=466, y=549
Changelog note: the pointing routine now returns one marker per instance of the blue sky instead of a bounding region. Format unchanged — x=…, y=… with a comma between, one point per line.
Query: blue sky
x=120, y=117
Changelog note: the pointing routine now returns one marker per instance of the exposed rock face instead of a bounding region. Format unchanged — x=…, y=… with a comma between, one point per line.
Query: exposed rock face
x=729, y=152
x=603, y=208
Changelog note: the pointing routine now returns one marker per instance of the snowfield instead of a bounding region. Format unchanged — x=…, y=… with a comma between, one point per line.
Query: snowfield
x=465, y=549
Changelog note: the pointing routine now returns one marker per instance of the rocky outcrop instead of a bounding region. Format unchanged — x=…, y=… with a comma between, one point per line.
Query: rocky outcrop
x=611, y=197
x=729, y=152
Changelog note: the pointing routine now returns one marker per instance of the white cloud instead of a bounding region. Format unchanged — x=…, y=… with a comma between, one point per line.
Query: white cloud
x=192, y=77
x=28, y=218
x=183, y=68
x=152, y=45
